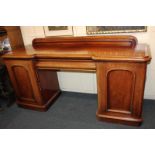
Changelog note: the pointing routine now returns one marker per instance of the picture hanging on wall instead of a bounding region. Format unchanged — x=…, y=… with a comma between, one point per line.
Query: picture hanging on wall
x=58, y=30
x=114, y=29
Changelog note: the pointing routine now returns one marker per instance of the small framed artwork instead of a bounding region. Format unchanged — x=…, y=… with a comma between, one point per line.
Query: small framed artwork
x=114, y=29
x=58, y=30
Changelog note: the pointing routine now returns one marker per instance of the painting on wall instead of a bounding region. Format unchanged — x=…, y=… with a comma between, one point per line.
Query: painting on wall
x=114, y=29
x=58, y=30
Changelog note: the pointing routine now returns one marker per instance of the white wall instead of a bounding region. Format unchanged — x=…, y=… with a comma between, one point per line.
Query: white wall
x=86, y=82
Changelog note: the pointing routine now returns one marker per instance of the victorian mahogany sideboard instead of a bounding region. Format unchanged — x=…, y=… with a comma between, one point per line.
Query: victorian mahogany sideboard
x=119, y=62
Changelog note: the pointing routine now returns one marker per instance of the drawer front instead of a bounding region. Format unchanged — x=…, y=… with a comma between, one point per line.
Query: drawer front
x=66, y=65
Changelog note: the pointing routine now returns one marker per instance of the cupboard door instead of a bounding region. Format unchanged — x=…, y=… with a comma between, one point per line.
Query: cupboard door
x=24, y=81
x=120, y=91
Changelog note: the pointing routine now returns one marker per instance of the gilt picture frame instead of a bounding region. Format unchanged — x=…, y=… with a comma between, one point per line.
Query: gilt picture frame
x=114, y=29
x=58, y=30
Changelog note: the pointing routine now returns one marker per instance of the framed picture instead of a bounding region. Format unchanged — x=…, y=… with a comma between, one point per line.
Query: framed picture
x=58, y=30
x=114, y=29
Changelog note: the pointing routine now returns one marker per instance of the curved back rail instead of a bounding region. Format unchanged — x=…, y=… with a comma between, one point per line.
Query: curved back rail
x=91, y=41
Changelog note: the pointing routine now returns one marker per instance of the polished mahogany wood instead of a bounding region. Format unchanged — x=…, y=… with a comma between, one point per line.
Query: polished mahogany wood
x=119, y=62
x=100, y=41
x=72, y=65
x=48, y=83
x=29, y=86
x=120, y=91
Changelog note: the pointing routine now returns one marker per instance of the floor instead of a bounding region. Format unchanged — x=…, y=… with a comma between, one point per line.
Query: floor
x=70, y=111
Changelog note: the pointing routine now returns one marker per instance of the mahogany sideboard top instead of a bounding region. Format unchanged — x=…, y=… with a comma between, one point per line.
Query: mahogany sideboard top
x=94, y=48
x=119, y=62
